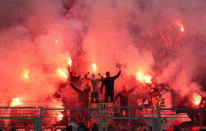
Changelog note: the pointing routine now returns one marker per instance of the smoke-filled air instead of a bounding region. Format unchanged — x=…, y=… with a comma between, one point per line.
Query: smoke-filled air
x=160, y=40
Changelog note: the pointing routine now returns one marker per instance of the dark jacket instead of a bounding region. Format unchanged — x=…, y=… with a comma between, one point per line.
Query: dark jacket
x=108, y=82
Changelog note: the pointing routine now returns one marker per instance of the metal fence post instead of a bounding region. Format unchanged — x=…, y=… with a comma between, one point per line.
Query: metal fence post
x=35, y=124
x=159, y=110
x=35, y=121
x=106, y=118
x=100, y=120
x=159, y=118
x=129, y=117
x=11, y=119
x=156, y=121
x=40, y=119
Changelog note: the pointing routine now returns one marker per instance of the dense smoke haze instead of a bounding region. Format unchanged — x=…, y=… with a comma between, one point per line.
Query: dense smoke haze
x=161, y=38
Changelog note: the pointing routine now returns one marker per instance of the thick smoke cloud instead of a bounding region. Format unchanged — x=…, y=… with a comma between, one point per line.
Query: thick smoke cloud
x=148, y=34
x=28, y=30
x=39, y=36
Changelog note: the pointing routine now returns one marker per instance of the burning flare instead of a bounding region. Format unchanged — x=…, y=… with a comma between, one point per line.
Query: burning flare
x=62, y=73
x=56, y=41
x=25, y=74
x=59, y=116
x=94, y=66
x=181, y=27
x=143, y=78
x=196, y=99
x=15, y=102
x=70, y=61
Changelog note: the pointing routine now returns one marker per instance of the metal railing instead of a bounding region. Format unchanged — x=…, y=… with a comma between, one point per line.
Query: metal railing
x=104, y=117
x=129, y=118
x=18, y=117
x=184, y=118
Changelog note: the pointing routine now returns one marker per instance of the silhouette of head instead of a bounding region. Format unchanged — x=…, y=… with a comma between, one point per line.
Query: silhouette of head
x=108, y=74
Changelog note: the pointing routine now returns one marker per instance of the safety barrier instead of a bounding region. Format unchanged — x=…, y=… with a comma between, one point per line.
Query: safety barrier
x=18, y=118
x=102, y=118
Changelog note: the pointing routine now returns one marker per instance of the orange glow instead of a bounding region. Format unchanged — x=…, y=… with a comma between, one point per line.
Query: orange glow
x=56, y=41
x=182, y=29
x=59, y=116
x=59, y=113
x=143, y=78
x=15, y=102
x=196, y=99
x=94, y=66
x=25, y=75
x=70, y=61
x=62, y=73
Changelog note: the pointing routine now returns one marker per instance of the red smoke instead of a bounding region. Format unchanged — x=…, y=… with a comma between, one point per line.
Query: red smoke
x=146, y=37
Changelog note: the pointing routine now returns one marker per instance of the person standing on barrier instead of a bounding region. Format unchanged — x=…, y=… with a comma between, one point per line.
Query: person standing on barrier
x=124, y=97
x=108, y=82
x=94, y=82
